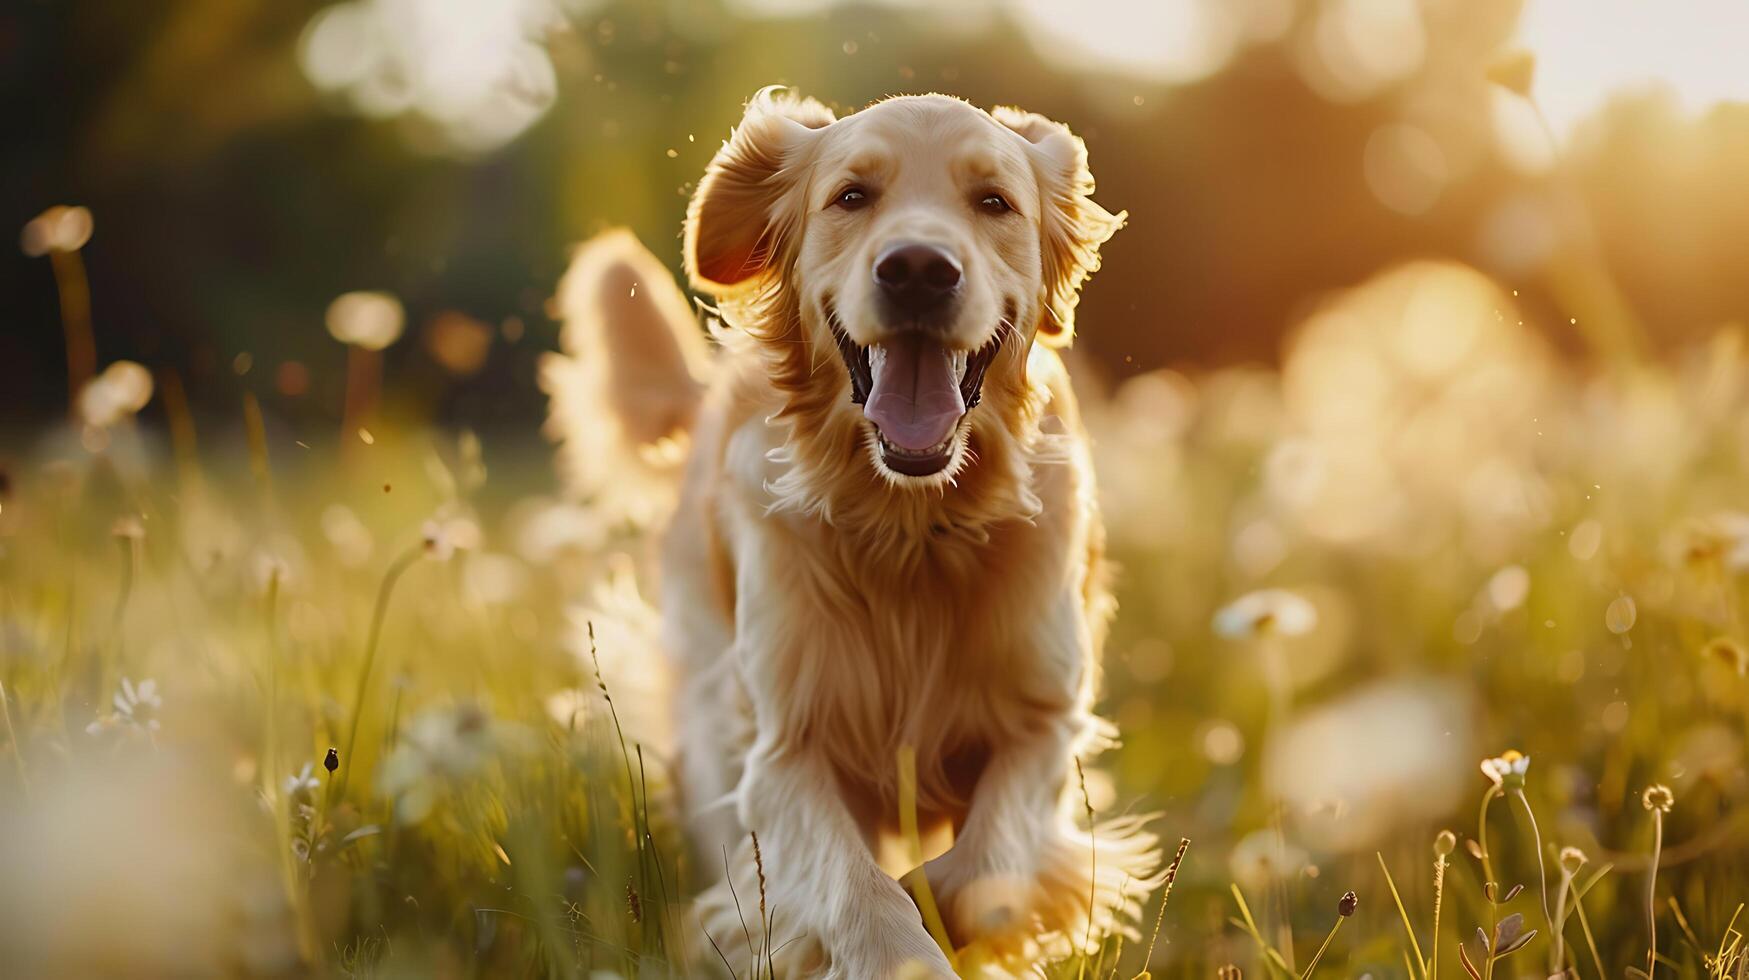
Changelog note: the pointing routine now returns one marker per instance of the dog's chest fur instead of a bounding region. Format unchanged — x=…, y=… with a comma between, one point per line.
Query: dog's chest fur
x=938, y=653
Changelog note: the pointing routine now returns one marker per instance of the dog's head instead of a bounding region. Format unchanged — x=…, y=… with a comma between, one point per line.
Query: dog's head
x=905, y=256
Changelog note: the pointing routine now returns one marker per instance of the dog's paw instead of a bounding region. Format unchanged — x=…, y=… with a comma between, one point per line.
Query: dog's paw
x=1048, y=902
x=998, y=915
x=991, y=912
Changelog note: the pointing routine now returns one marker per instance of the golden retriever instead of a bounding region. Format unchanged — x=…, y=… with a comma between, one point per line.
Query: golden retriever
x=885, y=538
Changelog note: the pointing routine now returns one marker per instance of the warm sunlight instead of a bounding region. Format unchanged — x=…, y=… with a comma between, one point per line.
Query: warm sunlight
x=1589, y=51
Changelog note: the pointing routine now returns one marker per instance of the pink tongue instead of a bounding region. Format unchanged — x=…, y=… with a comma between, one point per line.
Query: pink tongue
x=916, y=400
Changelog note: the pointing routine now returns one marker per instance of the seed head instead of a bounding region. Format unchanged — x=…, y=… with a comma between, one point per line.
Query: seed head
x=59, y=229
x=634, y=904
x=1445, y=843
x=1346, y=905
x=331, y=761
x=1572, y=859
x=1658, y=797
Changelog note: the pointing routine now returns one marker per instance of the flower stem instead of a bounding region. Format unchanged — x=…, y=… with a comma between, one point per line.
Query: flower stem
x=75, y=294
x=1541, y=868
x=1652, y=892
x=393, y=575
x=1482, y=832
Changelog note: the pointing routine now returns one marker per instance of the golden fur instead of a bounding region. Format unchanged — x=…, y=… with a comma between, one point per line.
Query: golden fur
x=824, y=612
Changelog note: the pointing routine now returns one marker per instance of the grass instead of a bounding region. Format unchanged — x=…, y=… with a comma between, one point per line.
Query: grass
x=1343, y=586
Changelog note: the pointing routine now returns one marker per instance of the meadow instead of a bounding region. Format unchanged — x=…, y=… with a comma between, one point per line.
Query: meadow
x=1430, y=647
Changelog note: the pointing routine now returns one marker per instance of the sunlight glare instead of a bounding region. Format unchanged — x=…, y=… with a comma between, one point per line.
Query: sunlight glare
x=1590, y=50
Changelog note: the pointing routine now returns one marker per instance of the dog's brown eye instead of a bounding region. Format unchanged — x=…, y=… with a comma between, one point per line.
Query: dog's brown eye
x=851, y=198
x=994, y=204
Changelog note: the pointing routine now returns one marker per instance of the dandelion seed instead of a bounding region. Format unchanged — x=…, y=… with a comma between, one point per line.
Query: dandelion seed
x=365, y=437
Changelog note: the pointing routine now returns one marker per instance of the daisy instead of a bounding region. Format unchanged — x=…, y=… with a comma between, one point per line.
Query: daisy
x=1507, y=769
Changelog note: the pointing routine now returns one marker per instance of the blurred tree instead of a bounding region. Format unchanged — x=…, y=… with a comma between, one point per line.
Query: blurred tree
x=234, y=199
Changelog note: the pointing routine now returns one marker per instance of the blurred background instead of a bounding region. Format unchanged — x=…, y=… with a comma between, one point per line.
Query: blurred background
x=249, y=161
x=1419, y=391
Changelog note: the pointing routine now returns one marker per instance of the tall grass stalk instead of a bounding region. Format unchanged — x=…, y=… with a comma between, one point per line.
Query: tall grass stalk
x=640, y=817
x=17, y=750
x=1585, y=923
x=1441, y=850
x=1403, y=913
x=917, y=879
x=1165, y=896
x=397, y=568
x=1093, y=869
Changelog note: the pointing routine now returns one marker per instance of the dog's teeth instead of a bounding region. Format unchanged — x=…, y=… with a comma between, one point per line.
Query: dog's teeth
x=877, y=359
x=959, y=365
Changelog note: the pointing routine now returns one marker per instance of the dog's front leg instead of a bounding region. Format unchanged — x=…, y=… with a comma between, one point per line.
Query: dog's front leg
x=823, y=883
x=1021, y=870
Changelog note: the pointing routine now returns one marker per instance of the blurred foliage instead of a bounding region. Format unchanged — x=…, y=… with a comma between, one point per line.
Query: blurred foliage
x=235, y=197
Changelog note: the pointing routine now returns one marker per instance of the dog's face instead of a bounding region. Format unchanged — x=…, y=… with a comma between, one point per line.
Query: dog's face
x=915, y=242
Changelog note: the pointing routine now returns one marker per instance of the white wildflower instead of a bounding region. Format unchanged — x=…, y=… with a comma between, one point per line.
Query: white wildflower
x=1276, y=612
x=1508, y=769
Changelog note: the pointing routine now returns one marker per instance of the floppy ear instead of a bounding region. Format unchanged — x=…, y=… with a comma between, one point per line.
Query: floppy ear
x=745, y=211
x=1072, y=226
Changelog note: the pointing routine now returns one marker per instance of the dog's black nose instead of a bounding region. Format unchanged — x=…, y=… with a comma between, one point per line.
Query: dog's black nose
x=916, y=278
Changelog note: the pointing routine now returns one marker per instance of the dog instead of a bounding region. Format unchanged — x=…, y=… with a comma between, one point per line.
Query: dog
x=884, y=538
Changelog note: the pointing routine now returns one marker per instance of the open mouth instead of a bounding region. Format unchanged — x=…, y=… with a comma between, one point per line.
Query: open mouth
x=915, y=390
